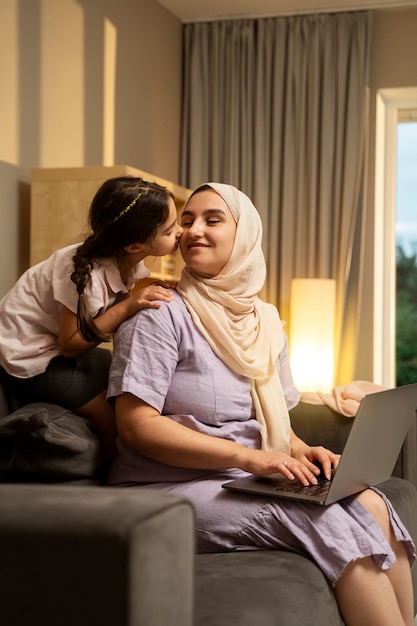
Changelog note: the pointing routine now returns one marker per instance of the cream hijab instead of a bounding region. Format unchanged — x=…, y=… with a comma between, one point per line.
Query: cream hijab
x=243, y=331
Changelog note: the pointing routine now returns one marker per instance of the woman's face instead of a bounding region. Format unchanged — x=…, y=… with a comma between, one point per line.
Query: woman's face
x=209, y=233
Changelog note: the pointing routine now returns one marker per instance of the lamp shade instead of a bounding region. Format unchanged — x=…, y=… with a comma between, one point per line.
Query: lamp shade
x=312, y=328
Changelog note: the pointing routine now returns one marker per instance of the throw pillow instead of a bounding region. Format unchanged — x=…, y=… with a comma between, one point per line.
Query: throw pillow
x=47, y=443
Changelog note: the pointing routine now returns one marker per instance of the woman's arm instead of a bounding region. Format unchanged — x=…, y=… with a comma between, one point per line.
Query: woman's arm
x=144, y=429
x=71, y=344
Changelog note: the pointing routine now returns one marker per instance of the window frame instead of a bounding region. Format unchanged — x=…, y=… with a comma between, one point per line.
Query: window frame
x=389, y=105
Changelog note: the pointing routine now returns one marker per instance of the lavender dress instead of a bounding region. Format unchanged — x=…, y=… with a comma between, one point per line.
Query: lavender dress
x=160, y=357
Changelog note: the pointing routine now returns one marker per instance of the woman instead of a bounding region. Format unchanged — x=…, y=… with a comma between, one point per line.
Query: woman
x=59, y=310
x=202, y=393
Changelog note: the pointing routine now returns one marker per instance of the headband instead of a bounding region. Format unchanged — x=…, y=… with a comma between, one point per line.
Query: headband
x=127, y=208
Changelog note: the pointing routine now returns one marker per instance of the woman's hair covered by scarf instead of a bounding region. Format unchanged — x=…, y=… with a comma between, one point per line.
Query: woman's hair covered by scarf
x=243, y=331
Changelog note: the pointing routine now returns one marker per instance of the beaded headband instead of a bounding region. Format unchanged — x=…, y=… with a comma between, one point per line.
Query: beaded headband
x=127, y=208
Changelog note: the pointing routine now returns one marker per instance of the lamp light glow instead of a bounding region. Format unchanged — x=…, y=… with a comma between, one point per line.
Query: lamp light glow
x=312, y=329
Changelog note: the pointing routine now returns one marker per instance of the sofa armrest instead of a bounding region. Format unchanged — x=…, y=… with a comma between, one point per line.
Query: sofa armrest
x=95, y=555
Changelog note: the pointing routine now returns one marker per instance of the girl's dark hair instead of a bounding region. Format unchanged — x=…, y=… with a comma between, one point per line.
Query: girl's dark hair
x=125, y=210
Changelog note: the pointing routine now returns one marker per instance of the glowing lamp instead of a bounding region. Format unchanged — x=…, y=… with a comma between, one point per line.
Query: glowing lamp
x=312, y=328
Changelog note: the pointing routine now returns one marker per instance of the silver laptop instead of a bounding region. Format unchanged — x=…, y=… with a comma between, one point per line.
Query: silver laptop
x=368, y=458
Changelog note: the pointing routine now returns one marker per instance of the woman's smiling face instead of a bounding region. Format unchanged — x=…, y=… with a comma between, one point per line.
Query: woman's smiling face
x=209, y=233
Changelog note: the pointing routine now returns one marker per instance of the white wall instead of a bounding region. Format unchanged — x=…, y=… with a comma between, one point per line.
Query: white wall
x=82, y=82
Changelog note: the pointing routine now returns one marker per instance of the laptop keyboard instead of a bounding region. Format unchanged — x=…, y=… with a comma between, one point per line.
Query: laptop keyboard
x=321, y=488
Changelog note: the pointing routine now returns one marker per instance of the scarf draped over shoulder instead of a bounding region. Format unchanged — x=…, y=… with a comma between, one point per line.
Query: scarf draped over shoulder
x=242, y=330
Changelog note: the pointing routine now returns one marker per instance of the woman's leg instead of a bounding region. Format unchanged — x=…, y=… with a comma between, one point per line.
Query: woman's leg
x=368, y=595
x=365, y=596
x=400, y=573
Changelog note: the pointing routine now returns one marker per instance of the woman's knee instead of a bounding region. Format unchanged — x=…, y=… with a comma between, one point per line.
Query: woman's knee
x=376, y=506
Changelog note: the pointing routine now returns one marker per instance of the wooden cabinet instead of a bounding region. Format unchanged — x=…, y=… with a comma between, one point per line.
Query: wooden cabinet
x=60, y=201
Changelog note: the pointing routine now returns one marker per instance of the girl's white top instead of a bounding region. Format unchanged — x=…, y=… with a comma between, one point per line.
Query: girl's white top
x=30, y=311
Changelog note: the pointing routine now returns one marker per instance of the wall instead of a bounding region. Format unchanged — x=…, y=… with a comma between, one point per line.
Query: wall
x=57, y=110
x=82, y=82
x=393, y=64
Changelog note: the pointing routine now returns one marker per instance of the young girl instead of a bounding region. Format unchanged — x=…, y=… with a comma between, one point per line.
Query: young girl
x=59, y=310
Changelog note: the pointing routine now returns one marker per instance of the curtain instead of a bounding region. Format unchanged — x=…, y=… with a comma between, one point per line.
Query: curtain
x=277, y=107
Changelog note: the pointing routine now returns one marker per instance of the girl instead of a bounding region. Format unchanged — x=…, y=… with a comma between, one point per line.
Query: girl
x=202, y=392
x=59, y=310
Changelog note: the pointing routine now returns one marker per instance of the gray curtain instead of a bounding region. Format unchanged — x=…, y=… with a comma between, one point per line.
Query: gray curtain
x=277, y=107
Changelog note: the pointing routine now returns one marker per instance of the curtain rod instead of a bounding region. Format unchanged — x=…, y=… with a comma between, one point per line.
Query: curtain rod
x=269, y=15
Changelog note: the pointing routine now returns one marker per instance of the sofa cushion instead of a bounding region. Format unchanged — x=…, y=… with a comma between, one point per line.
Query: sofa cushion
x=47, y=443
x=270, y=588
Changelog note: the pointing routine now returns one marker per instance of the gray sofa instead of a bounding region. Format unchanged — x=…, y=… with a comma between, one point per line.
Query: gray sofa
x=75, y=553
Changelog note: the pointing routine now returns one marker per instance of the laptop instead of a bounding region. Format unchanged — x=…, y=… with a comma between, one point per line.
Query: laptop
x=368, y=458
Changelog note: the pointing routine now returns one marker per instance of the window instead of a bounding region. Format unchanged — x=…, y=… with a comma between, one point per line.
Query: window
x=406, y=244
x=392, y=104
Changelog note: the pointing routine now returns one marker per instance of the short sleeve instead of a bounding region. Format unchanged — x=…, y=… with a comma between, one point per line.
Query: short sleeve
x=145, y=355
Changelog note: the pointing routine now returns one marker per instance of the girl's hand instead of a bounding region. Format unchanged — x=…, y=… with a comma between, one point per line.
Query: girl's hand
x=146, y=298
x=168, y=284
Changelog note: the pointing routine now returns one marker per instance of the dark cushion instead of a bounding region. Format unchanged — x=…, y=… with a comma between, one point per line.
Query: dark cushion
x=47, y=443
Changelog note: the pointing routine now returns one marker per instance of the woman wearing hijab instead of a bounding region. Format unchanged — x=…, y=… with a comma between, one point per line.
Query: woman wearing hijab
x=202, y=392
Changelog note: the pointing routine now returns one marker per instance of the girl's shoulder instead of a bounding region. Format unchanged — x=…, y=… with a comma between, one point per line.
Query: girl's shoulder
x=57, y=258
x=60, y=262
x=67, y=252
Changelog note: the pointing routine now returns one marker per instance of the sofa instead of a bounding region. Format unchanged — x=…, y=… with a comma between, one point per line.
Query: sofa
x=77, y=553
